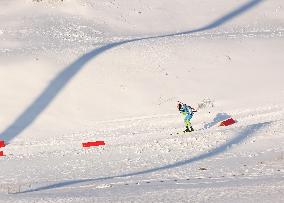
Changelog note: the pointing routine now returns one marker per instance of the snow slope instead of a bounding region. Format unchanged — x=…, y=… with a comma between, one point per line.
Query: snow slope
x=112, y=70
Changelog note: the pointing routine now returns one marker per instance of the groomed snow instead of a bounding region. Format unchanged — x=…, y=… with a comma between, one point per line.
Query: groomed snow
x=75, y=71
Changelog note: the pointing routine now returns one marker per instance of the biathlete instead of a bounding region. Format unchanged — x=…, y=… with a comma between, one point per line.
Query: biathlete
x=187, y=112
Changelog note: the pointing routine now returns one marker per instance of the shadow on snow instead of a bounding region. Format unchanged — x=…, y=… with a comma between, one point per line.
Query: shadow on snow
x=61, y=80
x=240, y=137
x=218, y=118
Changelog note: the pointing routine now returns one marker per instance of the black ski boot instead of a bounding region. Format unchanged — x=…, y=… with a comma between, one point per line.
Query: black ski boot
x=186, y=130
x=191, y=129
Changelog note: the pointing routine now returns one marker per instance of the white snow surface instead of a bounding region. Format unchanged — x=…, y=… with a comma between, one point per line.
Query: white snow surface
x=76, y=71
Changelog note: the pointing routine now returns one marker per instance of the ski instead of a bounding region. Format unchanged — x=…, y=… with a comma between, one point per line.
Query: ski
x=180, y=133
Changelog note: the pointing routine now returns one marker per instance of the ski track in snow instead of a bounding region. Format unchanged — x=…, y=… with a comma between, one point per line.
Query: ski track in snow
x=161, y=143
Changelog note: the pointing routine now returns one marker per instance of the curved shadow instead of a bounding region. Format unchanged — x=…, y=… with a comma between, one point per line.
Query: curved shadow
x=240, y=137
x=218, y=118
x=61, y=80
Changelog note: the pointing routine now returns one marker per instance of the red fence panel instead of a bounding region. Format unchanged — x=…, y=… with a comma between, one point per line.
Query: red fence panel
x=93, y=144
x=227, y=122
